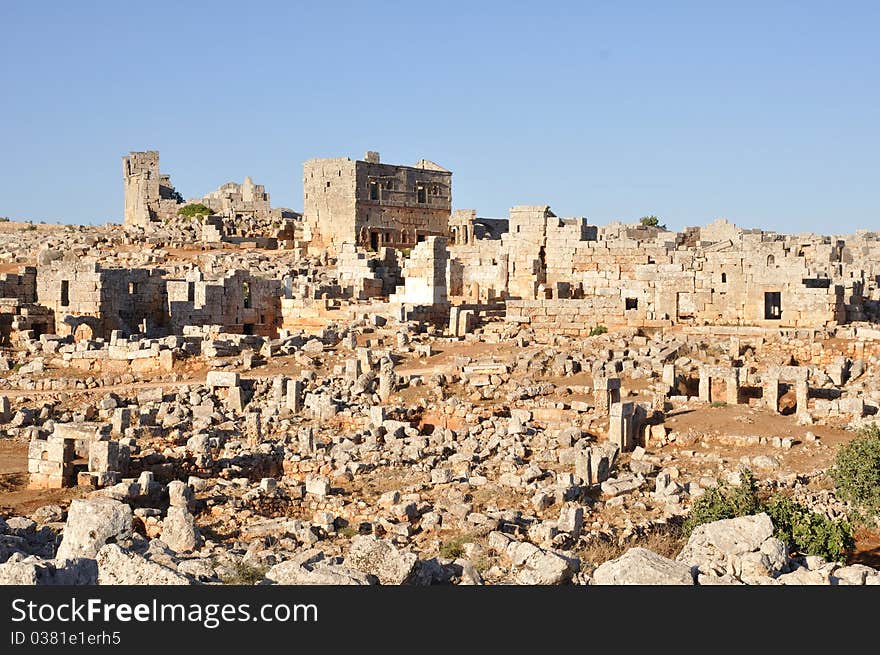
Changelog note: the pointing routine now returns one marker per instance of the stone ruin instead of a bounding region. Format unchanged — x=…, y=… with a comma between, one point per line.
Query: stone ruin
x=208, y=376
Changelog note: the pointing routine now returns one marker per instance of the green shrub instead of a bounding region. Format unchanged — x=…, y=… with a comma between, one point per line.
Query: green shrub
x=718, y=403
x=725, y=501
x=802, y=530
x=651, y=221
x=808, y=532
x=245, y=574
x=597, y=330
x=195, y=210
x=856, y=471
x=453, y=548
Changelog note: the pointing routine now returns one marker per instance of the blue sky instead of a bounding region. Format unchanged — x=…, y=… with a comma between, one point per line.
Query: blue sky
x=765, y=113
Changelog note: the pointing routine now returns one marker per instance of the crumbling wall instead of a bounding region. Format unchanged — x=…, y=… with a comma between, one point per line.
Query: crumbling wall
x=149, y=195
x=82, y=293
x=238, y=301
x=238, y=201
x=478, y=271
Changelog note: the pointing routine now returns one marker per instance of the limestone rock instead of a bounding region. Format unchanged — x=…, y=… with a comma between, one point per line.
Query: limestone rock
x=380, y=558
x=118, y=566
x=92, y=523
x=295, y=573
x=31, y=571
x=640, y=566
x=179, y=530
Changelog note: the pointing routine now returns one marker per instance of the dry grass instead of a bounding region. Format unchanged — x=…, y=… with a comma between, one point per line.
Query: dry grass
x=667, y=542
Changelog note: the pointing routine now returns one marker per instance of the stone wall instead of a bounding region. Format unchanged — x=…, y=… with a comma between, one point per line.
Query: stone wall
x=478, y=271
x=95, y=300
x=424, y=275
x=641, y=275
x=238, y=201
x=21, y=286
x=238, y=301
x=374, y=204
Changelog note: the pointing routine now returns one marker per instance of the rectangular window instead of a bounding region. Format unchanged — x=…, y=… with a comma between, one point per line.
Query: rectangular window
x=421, y=196
x=631, y=303
x=65, y=293
x=772, y=305
x=132, y=288
x=374, y=190
x=191, y=291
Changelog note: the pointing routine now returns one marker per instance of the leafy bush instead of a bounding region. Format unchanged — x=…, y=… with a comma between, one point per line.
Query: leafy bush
x=808, y=532
x=597, y=330
x=725, y=501
x=856, y=472
x=651, y=221
x=801, y=529
x=195, y=210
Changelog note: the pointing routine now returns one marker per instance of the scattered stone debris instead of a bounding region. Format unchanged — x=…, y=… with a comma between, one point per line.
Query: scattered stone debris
x=382, y=390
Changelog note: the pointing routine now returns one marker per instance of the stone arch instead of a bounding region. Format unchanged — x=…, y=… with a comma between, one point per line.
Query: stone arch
x=83, y=332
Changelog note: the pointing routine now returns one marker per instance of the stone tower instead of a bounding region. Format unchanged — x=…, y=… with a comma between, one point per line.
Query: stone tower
x=149, y=195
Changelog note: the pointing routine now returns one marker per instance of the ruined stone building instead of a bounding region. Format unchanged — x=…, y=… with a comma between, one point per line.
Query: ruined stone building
x=567, y=275
x=18, y=309
x=149, y=195
x=374, y=204
x=89, y=300
x=465, y=227
x=239, y=201
x=238, y=302
x=241, y=212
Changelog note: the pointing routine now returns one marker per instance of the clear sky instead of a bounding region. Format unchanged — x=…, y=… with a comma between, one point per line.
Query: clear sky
x=765, y=113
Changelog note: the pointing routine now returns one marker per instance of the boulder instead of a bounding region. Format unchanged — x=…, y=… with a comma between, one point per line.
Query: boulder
x=536, y=566
x=92, y=523
x=743, y=547
x=119, y=566
x=295, y=573
x=179, y=530
x=32, y=571
x=380, y=558
x=640, y=566
x=48, y=514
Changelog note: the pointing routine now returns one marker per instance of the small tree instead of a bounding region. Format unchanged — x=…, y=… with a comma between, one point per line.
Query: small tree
x=651, y=221
x=856, y=471
x=196, y=210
